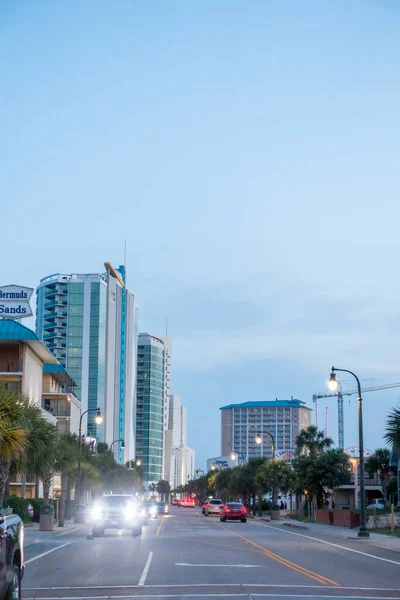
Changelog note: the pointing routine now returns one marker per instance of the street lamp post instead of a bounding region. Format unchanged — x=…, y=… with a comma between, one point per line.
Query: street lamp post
x=259, y=441
x=98, y=420
x=114, y=442
x=239, y=457
x=333, y=385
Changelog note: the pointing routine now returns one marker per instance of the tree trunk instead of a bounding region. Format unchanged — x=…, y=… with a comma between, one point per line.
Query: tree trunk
x=259, y=505
x=64, y=484
x=4, y=472
x=23, y=485
x=254, y=504
x=37, y=488
x=46, y=487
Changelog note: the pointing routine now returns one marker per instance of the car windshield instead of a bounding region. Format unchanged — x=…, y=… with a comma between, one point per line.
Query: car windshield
x=117, y=501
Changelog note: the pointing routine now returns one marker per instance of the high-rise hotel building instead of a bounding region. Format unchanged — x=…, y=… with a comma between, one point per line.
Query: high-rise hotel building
x=89, y=322
x=242, y=423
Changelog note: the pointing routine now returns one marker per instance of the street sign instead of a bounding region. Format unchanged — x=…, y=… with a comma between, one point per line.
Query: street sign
x=14, y=302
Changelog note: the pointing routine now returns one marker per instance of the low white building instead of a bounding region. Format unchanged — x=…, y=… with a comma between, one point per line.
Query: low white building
x=222, y=462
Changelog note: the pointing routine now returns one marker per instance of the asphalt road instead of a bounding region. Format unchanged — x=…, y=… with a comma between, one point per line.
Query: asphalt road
x=186, y=555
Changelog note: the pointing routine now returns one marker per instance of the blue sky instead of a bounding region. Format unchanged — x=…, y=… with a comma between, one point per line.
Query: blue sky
x=249, y=153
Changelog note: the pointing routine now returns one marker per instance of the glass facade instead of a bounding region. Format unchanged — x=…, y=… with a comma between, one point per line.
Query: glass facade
x=150, y=410
x=62, y=306
x=97, y=343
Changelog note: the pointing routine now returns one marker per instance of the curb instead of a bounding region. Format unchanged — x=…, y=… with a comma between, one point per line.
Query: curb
x=294, y=525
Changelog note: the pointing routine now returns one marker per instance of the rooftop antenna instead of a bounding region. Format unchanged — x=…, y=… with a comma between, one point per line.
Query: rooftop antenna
x=166, y=325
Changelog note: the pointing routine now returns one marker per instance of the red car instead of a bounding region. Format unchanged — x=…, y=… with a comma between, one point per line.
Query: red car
x=233, y=511
x=189, y=503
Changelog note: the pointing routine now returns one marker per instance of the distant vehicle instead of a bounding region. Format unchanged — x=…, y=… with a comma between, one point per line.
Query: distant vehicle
x=188, y=503
x=377, y=503
x=175, y=502
x=143, y=514
x=151, y=508
x=11, y=557
x=233, y=511
x=162, y=508
x=116, y=511
x=203, y=506
x=213, y=507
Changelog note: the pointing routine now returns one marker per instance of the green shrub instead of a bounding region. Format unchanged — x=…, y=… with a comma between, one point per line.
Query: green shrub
x=19, y=506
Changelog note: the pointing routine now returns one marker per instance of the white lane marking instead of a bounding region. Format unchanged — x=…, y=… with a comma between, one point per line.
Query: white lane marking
x=68, y=531
x=219, y=566
x=309, y=537
x=142, y=579
x=46, y=553
x=215, y=595
x=200, y=585
x=161, y=596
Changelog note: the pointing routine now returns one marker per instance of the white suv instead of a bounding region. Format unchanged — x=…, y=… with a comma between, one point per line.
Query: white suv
x=116, y=511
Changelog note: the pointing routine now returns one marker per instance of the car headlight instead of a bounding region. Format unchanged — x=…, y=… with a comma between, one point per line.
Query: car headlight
x=130, y=512
x=97, y=512
x=143, y=512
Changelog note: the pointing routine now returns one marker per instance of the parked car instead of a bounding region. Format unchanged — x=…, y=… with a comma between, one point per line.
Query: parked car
x=116, y=511
x=213, y=507
x=11, y=557
x=233, y=511
x=378, y=503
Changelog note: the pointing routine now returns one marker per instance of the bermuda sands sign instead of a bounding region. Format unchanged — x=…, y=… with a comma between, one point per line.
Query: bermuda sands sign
x=14, y=302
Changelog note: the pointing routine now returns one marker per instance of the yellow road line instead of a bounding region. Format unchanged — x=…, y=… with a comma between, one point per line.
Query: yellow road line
x=288, y=563
x=226, y=546
x=160, y=526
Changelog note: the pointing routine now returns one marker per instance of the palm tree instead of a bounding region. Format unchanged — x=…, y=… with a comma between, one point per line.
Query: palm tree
x=380, y=462
x=392, y=435
x=153, y=488
x=163, y=488
x=39, y=457
x=312, y=442
x=13, y=437
x=275, y=475
x=67, y=453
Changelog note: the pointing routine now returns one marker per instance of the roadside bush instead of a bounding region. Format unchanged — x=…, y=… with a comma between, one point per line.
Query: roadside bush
x=266, y=505
x=19, y=506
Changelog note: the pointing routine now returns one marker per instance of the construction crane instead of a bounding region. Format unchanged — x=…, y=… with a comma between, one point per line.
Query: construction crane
x=339, y=394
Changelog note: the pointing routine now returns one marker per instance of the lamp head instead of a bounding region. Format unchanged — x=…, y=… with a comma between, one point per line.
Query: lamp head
x=333, y=384
x=258, y=439
x=98, y=418
x=138, y=463
x=233, y=455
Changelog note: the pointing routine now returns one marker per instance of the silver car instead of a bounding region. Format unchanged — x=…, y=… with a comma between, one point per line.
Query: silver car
x=213, y=507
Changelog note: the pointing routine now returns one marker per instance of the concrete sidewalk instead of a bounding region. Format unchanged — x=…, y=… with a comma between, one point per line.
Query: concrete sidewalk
x=33, y=536
x=314, y=529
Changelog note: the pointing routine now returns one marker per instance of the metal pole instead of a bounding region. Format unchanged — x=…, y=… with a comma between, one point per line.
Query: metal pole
x=363, y=531
x=78, y=491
